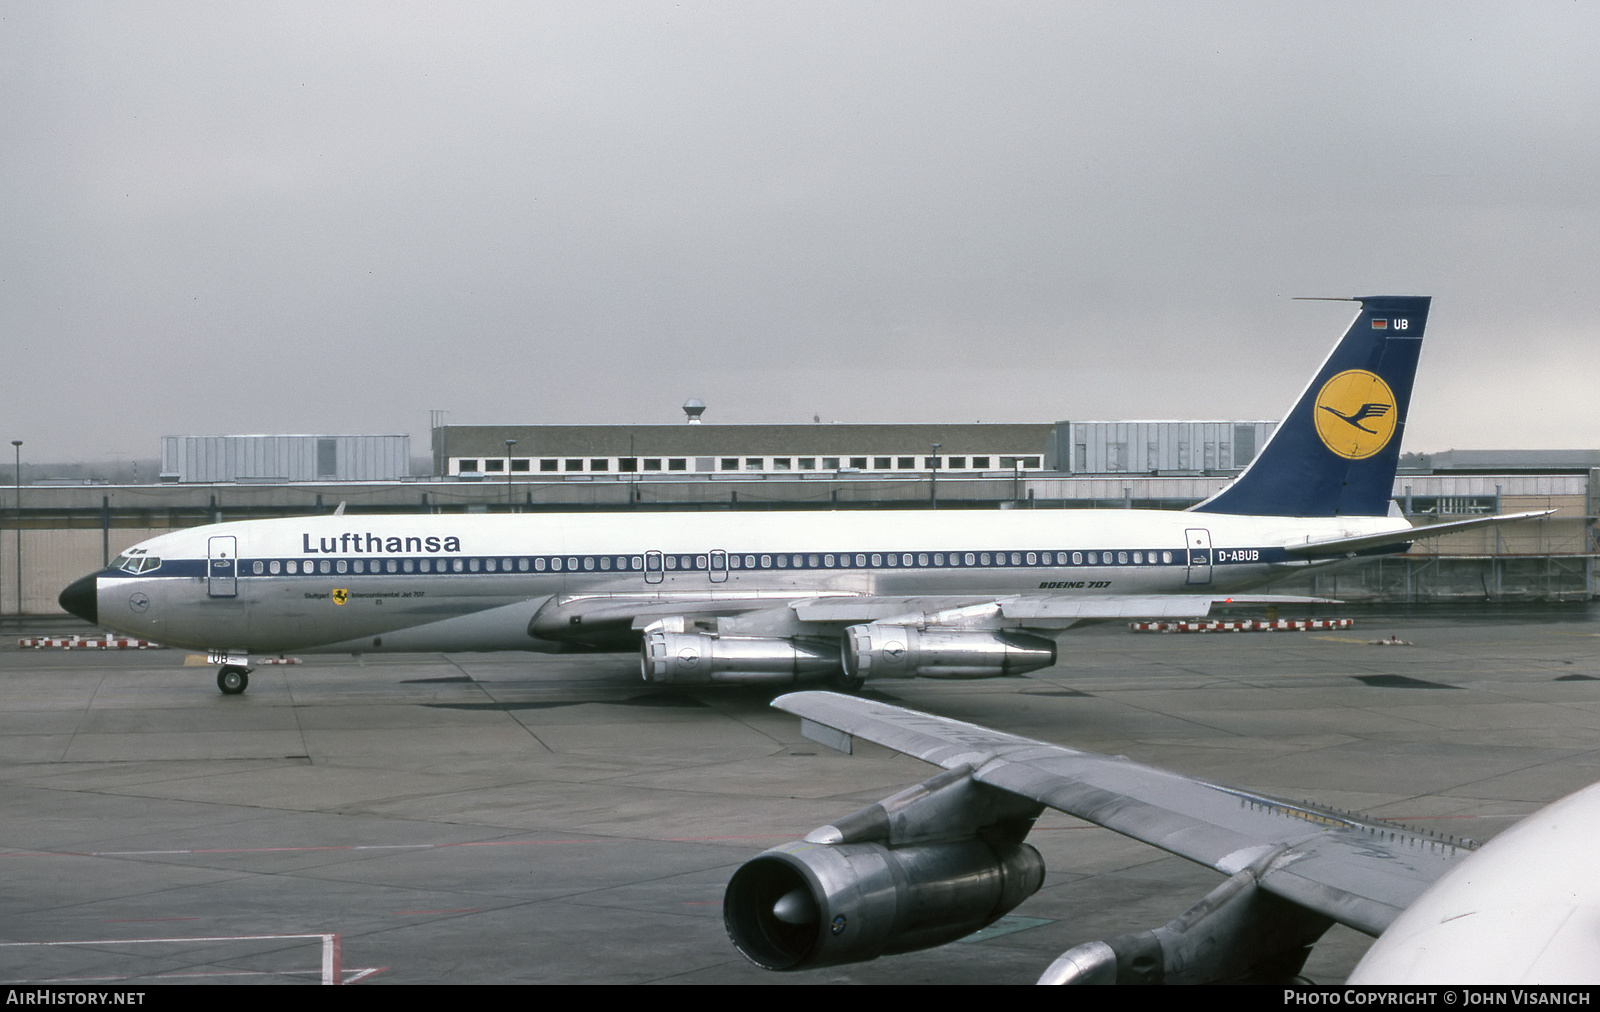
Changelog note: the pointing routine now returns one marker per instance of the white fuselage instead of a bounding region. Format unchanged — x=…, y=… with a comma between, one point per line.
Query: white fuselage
x=432, y=582
x=1523, y=910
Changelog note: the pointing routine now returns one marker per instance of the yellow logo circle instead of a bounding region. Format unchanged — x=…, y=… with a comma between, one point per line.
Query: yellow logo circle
x=1355, y=414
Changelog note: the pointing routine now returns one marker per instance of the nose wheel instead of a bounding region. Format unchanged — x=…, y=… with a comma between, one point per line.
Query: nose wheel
x=233, y=679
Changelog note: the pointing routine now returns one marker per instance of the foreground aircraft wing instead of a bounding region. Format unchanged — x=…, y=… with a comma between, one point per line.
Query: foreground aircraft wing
x=944, y=858
x=1348, y=546
x=1360, y=873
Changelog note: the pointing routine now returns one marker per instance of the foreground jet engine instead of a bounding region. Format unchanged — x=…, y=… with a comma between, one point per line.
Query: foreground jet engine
x=1239, y=933
x=931, y=864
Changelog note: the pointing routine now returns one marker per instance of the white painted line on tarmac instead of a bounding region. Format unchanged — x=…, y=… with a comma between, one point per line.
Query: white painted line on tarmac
x=332, y=970
x=176, y=852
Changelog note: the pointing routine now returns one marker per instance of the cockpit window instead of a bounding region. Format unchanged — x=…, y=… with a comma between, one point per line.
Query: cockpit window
x=135, y=564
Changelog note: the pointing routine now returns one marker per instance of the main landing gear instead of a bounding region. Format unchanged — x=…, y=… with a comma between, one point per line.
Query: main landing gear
x=233, y=679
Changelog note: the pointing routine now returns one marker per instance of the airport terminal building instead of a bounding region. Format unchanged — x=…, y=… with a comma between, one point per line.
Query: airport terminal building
x=489, y=452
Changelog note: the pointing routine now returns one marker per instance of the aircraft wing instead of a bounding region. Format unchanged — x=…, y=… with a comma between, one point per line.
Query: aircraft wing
x=1025, y=607
x=1361, y=873
x=1349, y=546
x=638, y=610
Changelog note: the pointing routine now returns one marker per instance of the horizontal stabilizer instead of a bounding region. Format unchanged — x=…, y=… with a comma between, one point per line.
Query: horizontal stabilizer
x=1348, y=546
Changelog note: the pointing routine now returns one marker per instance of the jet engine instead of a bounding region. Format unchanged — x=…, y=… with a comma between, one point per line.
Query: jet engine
x=800, y=906
x=927, y=866
x=1239, y=933
x=683, y=658
x=880, y=650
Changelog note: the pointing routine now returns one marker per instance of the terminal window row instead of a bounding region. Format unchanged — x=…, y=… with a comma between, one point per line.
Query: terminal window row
x=1444, y=505
x=713, y=560
x=633, y=465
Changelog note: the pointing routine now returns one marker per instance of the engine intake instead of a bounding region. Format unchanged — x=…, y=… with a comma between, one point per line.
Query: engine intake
x=879, y=650
x=804, y=905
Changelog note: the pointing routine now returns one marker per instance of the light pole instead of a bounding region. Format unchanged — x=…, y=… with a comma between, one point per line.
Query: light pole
x=509, y=444
x=933, y=483
x=17, y=444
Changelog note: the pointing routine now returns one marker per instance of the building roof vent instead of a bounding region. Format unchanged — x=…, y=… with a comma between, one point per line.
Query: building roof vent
x=693, y=408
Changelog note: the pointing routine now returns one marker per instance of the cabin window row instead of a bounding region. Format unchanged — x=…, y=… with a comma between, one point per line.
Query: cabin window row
x=924, y=560
x=700, y=563
x=557, y=564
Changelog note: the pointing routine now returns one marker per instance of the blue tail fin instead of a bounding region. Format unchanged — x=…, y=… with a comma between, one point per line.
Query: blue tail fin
x=1335, y=454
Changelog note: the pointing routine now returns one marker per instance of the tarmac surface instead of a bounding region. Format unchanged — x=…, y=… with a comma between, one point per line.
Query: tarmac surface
x=497, y=818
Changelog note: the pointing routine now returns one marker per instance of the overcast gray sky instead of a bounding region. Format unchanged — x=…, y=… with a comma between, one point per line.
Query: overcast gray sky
x=334, y=217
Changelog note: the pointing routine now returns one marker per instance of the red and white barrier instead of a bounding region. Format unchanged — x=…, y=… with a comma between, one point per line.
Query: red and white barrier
x=107, y=642
x=1247, y=625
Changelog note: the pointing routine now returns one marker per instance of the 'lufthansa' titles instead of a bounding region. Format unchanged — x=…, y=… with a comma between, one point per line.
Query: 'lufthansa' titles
x=344, y=544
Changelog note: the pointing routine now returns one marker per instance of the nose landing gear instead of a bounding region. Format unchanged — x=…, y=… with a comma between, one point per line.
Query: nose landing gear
x=233, y=679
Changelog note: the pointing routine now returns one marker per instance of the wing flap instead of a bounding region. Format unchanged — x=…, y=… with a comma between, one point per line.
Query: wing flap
x=1358, y=876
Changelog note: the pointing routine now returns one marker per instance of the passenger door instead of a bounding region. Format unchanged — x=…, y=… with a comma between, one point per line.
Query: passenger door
x=1199, y=544
x=222, y=567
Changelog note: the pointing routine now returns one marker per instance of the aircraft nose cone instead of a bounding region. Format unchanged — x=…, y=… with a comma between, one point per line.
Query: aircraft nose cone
x=80, y=599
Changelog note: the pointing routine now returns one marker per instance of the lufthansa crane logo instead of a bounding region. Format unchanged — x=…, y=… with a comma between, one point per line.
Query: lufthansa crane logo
x=1355, y=414
x=340, y=596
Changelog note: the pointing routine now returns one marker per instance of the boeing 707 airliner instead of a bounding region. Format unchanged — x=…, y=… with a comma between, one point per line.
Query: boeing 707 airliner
x=788, y=598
